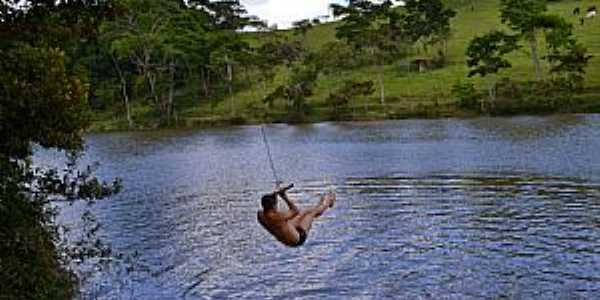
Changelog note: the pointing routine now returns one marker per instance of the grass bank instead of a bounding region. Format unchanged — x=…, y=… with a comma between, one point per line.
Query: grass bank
x=410, y=94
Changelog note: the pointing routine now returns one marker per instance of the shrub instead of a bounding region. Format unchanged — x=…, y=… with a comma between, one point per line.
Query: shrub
x=466, y=95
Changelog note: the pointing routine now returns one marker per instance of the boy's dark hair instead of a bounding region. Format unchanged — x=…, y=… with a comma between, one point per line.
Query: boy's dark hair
x=269, y=201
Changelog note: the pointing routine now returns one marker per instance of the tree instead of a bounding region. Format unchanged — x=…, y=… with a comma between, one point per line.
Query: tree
x=227, y=49
x=298, y=89
x=228, y=52
x=227, y=14
x=43, y=101
x=569, y=64
x=303, y=26
x=139, y=35
x=385, y=33
x=368, y=27
x=427, y=21
x=525, y=17
x=157, y=37
x=485, y=56
x=567, y=58
x=359, y=20
x=123, y=72
x=53, y=23
x=334, y=57
x=275, y=53
x=528, y=18
x=188, y=36
x=350, y=90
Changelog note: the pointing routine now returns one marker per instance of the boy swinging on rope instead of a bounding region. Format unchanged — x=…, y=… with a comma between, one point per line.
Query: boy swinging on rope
x=290, y=228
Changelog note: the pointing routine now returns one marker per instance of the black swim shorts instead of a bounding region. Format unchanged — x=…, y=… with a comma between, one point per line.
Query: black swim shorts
x=302, y=235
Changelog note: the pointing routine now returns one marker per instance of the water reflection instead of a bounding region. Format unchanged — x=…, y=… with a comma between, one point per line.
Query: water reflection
x=526, y=128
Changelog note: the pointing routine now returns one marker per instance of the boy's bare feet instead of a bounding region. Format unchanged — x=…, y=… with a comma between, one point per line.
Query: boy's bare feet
x=331, y=197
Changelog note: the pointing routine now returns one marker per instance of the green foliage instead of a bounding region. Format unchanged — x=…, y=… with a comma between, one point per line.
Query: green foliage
x=384, y=35
x=349, y=91
x=512, y=97
x=43, y=101
x=427, y=20
x=568, y=64
x=280, y=51
x=523, y=16
x=152, y=35
x=302, y=27
x=298, y=89
x=51, y=23
x=485, y=54
x=174, y=43
x=30, y=267
x=360, y=21
x=374, y=28
x=304, y=70
x=528, y=97
x=566, y=57
x=559, y=33
x=466, y=95
x=39, y=88
x=35, y=262
x=204, y=95
x=226, y=15
x=526, y=17
x=335, y=57
x=40, y=104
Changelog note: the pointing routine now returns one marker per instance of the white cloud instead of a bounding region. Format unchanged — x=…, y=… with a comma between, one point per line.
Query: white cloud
x=285, y=12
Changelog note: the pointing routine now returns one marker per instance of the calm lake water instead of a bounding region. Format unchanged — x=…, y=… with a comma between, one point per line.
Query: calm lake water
x=488, y=208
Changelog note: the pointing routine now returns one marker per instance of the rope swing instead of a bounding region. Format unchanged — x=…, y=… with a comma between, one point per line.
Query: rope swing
x=278, y=181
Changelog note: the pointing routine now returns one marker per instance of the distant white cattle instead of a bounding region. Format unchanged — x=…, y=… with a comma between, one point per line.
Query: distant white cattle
x=591, y=12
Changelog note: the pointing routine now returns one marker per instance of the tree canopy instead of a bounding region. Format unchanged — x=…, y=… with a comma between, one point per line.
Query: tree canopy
x=43, y=101
x=527, y=18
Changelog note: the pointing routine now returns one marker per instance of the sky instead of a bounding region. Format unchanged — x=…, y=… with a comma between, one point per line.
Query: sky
x=284, y=12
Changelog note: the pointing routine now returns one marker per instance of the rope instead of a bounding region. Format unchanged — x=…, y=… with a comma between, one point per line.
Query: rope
x=271, y=164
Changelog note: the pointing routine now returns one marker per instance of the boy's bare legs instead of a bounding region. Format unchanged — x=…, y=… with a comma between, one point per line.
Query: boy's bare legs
x=305, y=219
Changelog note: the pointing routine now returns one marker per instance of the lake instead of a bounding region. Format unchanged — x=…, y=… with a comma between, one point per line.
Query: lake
x=485, y=208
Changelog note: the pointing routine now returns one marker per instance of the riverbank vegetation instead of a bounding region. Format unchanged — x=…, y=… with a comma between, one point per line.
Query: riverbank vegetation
x=172, y=65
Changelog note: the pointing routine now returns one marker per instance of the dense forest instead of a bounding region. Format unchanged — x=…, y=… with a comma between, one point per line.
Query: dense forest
x=137, y=64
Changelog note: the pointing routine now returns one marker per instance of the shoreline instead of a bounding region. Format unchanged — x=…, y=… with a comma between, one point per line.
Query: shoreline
x=217, y=123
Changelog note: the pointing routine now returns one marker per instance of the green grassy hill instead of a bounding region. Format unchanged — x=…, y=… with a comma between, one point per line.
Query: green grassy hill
x=410, y=94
